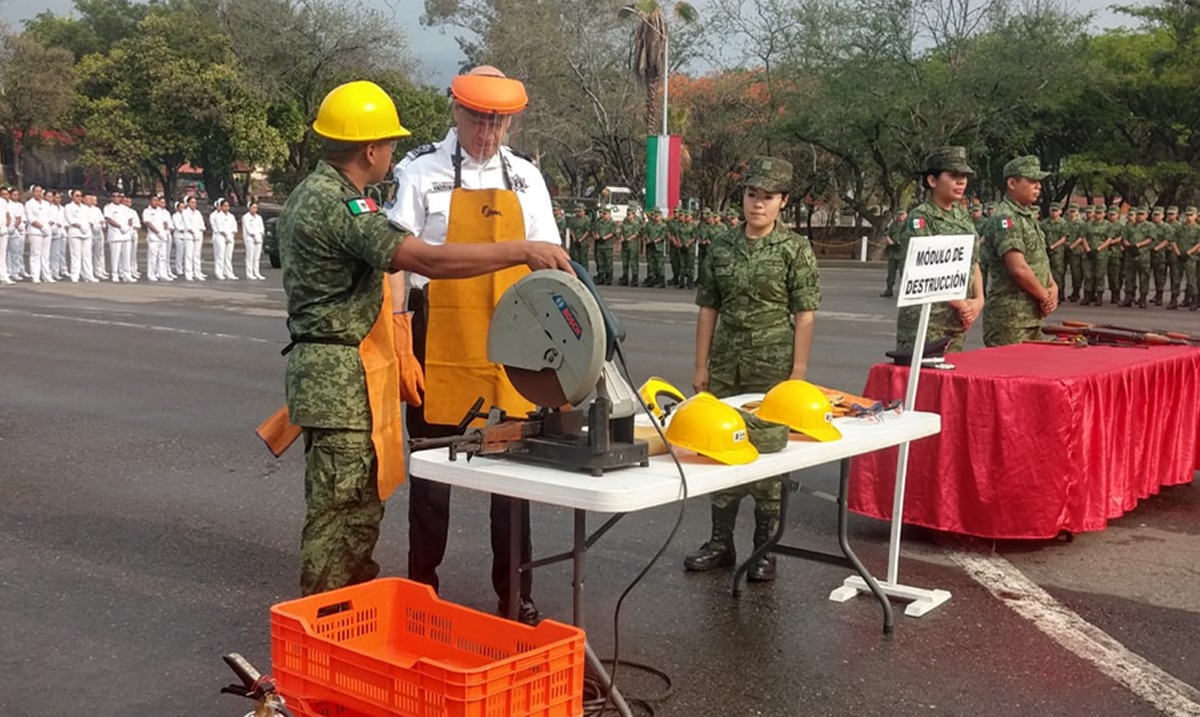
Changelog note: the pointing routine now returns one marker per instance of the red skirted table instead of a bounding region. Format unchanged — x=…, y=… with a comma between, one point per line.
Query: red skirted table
x=1039, y=439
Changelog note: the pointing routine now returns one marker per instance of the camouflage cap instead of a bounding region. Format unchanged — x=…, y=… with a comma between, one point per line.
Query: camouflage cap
x=1074, y=208
x=605, y=209
x=655, y=212
x=990, y=206
x=732, y=213
x=1172, y=210
x=1158, y=211
x=1190, y=212
x=1142, y=210
x=770, y=174
x=1028, y=167
x=1114, y=209
x=947, y=159
x=976, y=203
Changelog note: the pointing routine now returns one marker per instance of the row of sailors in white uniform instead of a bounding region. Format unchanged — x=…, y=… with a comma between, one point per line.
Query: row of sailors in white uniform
x=67, y=241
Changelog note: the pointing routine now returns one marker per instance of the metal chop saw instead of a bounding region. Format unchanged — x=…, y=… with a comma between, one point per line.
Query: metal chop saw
x=556, y=340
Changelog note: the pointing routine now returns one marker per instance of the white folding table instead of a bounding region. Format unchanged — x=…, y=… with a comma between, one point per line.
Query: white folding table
x=638, y=488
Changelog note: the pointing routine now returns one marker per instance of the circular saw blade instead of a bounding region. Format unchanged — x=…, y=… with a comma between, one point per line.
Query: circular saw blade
x=539, y=387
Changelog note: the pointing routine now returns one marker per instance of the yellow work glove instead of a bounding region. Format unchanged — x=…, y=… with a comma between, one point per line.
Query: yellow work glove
x=412, y=377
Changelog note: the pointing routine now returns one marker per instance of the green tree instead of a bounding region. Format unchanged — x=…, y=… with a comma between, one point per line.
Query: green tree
x=651, y=44
x=36, y=82
x=100, y=25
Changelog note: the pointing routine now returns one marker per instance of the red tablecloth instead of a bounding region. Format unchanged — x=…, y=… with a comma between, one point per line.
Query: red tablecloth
x=1039, y=439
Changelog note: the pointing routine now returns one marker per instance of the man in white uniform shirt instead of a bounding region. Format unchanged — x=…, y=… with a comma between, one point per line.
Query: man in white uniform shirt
x=6, y=221
x=195, y=224
x=58, y=236
x=158, y=236
x=37, y=216
x=177, y=232
x=15, y=261
x=252, y=241
x=96, y=225
x=224, y=230
x=471, y=157
x=79, y=238
x=135, y=230
x=119, y=226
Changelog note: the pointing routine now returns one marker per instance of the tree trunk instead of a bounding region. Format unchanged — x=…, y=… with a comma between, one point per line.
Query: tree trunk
x=19, y=164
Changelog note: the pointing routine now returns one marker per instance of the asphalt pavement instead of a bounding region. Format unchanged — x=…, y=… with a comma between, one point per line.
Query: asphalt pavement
x=145, y=531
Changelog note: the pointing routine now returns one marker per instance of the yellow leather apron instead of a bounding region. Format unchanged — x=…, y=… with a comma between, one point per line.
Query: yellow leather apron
x=378, y=354
x=457, y=370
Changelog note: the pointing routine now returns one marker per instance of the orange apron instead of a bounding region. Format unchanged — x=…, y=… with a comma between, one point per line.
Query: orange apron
x=378, y=354
x=457, y=370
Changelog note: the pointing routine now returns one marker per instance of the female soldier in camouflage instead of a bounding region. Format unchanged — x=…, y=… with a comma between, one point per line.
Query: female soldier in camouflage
x=944, y=177
x=758, y=295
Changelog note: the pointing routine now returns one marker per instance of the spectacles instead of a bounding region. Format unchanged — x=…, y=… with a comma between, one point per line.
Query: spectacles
x=872, y=411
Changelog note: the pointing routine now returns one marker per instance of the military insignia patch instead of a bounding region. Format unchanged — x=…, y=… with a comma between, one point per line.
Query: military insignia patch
x=1006, y=224
x=918, y=223
x=362, y=205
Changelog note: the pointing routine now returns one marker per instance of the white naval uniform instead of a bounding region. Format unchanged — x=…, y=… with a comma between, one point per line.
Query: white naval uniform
x=96, y=225
x=16, y=242
x=37, y=214
x=58, y=242
x=252, y=239
x=425, y=179
x=183, y=247
x=135, y=229
x=224, y=229
x=119, y=226
x=158, y=237
x=194, y=221
x=6, y=221
x=79, y=239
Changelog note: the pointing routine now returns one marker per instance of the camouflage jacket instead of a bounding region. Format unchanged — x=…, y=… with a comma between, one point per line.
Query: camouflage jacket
x=602, y=228
x=1136, y=233
x=756, y=286
x=1012, y=228
x=655, y=232
x=928, y=219
x=335, y=247
x=631, y=229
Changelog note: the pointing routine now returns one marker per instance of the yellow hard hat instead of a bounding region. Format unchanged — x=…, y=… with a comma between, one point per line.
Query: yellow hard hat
x=655, y=387
x=358, y=111
x=711, y=428
x=802, y=407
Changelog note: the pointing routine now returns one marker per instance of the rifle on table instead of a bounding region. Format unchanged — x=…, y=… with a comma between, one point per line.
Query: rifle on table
x=1111, y=337
x=1178, y=336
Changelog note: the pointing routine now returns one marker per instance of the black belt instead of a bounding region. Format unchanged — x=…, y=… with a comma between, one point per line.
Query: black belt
x=316, y=340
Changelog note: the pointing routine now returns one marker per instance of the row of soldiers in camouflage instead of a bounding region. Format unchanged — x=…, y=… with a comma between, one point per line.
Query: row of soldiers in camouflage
x=1100, y=249
x=680, y=240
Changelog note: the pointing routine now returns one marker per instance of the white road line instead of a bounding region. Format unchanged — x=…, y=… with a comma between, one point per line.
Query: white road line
x=1168, y=694
x=131, y=325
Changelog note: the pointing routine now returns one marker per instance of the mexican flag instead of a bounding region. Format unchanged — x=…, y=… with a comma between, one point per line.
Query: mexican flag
x=662, y=172
x=362, y=205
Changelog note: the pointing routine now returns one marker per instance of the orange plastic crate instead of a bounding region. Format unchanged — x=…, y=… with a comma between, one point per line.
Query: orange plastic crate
x=392, y=647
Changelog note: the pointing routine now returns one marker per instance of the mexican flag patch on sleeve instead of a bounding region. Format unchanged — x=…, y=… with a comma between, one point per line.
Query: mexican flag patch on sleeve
x=362, y=205
x=1006, y=223
x=918, y=223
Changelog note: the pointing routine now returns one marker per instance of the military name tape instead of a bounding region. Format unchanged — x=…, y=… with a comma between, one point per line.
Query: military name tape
x=936, y=268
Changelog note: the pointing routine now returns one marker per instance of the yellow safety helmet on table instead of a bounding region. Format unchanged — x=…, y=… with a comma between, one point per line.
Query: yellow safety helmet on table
x=802, y=407
x=358, y=111
x=655, y=387
x=713, y=429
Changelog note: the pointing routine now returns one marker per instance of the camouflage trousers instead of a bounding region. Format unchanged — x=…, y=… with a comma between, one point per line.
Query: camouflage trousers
x=687, y=262
x=341, y=524
x=944, y=322
x=1175, y=269
x=1158, y=268
x=1095, y=268
x=1191, y=275
x=998, y=333
x=1058, y=268
x=767, y=493
x=1137, y=276
x=604, y=260
x=655, y=275
x=629, y=261
x=701, y=258
x=894, y=261
x=1075, y=267
x=1116, y=272
x=675, y=256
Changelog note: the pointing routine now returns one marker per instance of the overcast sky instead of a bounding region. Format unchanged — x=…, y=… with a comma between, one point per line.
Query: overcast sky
x=438, y=52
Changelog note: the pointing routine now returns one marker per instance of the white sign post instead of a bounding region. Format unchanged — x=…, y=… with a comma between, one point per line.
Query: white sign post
x=936, y=268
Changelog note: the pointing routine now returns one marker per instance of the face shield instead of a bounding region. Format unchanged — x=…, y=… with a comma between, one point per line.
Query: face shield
x=487, y=112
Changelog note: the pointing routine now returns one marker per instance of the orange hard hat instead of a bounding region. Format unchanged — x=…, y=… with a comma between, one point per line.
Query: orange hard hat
x=490, y=94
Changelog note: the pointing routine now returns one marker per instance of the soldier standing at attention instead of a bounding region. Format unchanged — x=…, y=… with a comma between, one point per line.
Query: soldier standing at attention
x=341, y=376
x=688, y=230
x=674, y=257
x=1158, y=254
x=891, y=250
x=1076, y=251
x=604, y=233
x=560, y=221
x=944, y=178
x=1137, y=240
x=1116, y=254
x=1020, y=291
x=1096, y=235
x=758, y=297
x=655, y=232
x=1056, y=230
x=732, y=218
x=708, y=229
x=1174, y=266
x=631, y=246
x=1189, y=247
x=581, y=228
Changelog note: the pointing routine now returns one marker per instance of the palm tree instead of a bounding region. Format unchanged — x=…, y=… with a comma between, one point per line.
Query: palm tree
x=650, y=45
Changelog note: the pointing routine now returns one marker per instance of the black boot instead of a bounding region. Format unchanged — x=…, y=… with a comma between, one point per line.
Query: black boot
x=1116, y=298
x=1174, y=305
x=718, y=552
x=624, y=281
x=1126, y=303
x=1158, y=298
x=1142, y=304
x=887, y=294
x=766, y=522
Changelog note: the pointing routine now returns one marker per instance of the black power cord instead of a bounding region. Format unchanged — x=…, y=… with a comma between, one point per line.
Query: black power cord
x=597, y=705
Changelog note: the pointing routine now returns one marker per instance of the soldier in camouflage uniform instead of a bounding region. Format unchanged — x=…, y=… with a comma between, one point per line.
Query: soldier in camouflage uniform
x=560, y=220
x=335, y=247
x=732, y=218
x=1095, y=230
x=581, y=229
x=1116, y=253
x=1077, y=250
x=1137, y=239
x=758, y=295
x=674, y=258
x=631, y=246
x=604, y=233
x=688, y=233
x=655, y=233
x=1021, y=291
x=892, y=251
x=705, y=233
x=1189, y=247
x=944, y=177
x=1174, y=265
x=976, y=214
x=1056, y=230
x=1158, y=253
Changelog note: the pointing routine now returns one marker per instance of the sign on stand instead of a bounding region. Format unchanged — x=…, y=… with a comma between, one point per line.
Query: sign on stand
x=936, y=268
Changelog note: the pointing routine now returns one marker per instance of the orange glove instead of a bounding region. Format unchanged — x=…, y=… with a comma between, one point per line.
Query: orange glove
x=412, y=377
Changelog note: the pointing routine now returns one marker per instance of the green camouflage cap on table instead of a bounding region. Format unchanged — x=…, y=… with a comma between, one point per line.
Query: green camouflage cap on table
x=1172, y=210
x=1028, y=167
x=1158, y=212
x=1189, y=212
x=947, y=159
x=769, y=174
